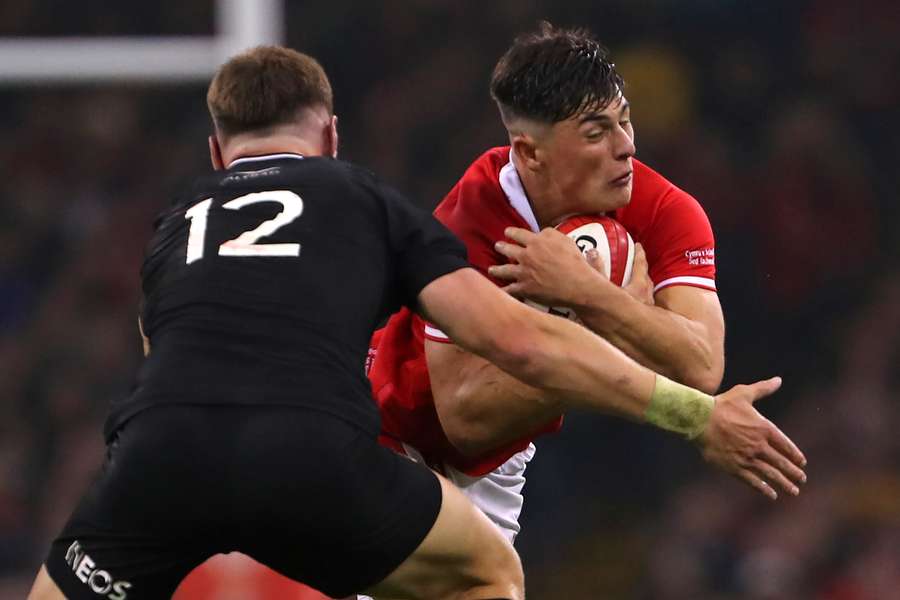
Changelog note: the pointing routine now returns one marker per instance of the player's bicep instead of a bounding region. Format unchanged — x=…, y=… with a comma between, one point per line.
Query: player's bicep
x=703, y=309
x=448, y=365
x=694, y=303
x=445, y=366
x=451, y=369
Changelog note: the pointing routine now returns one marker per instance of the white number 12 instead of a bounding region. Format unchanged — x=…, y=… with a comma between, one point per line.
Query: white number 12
x=245, y=244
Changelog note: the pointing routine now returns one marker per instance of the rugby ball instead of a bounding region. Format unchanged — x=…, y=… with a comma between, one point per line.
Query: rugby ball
x=610, y=239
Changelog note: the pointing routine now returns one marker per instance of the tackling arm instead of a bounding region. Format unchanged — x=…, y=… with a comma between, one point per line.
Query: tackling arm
x=585, y=371
x=561, y=357
x=482, y=408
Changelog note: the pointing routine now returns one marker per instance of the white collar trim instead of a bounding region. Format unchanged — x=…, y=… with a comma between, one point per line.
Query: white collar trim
x=264, y=157
x=515, y=193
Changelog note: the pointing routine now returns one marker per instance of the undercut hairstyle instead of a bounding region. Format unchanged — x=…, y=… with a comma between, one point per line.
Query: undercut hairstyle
x=264, y=87
x=554, y=74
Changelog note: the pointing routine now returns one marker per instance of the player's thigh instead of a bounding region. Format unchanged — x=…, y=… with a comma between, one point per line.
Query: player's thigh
x=464, y=555
x=498, y=494
x=44, y=587
x=153, y=512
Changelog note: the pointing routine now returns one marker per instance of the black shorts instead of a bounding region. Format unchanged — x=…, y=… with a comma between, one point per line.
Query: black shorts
x=304, y=493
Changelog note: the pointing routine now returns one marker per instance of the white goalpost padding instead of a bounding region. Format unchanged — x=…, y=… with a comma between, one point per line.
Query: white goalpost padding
x=239, y=24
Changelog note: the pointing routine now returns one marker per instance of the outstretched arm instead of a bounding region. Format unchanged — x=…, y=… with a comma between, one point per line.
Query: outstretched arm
x=482, y=408
x=556, y=355
x=584, y=371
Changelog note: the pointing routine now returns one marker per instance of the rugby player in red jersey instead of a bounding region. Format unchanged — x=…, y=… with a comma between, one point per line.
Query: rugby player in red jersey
x=571, y=151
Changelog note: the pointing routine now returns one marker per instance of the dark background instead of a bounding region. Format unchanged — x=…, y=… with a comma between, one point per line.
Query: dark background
x=780, y=117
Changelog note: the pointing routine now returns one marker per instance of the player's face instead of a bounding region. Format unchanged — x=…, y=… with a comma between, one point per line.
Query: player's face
x=588, y=159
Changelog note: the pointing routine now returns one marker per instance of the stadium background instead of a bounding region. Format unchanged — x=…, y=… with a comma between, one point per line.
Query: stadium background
x=780, y=117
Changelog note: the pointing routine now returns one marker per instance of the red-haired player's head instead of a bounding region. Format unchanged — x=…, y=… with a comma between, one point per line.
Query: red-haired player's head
x=271, y=99
x=569, y=124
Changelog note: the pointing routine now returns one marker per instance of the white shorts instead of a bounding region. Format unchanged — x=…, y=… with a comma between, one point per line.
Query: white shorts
x=497, y=494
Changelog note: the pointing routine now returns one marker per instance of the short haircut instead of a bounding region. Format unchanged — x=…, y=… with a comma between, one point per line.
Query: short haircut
x=266, y=86
x=554, y=74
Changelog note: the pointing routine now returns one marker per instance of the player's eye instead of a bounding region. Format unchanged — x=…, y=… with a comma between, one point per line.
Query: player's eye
x=624, y=122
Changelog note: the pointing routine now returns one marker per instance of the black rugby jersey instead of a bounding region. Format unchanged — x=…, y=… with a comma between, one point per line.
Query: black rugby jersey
x=263, y=284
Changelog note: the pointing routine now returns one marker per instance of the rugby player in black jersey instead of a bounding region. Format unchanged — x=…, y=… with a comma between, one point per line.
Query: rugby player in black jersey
x=251, y=426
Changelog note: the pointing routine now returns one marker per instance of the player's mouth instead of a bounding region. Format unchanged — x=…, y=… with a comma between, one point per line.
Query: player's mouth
x=621, y=180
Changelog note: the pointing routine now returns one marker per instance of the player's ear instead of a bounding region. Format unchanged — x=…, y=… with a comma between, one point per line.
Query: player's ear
x=331, y=138
x=525, y=149
x=215, y=153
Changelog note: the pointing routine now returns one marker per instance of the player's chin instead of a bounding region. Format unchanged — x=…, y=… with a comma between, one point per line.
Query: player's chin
x=618, y=196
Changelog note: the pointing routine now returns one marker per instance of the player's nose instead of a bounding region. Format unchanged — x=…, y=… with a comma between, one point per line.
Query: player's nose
x=624, y=144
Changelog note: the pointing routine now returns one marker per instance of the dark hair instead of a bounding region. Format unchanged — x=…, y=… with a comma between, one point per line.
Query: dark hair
x=554, y=74
x=266, y=86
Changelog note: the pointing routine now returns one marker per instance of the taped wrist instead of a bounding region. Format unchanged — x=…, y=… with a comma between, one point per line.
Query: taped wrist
x=679, y=408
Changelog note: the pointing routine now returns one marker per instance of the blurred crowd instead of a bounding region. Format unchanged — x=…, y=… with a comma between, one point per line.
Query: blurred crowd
x=783, y=119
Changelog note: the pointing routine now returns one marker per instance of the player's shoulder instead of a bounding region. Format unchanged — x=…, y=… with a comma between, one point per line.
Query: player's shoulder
x=327, y=171
x=659, y=205
x=339, y=179
x=653, y=193
x=363, y=177
x=481, y=180
x=650, y=185
x=488, y=165
x=338, y=167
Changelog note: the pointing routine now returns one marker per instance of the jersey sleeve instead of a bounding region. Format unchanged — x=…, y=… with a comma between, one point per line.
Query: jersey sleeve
x=680, y=245
x=423, y=248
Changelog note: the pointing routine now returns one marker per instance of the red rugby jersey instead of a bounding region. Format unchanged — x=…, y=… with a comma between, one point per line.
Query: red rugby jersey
x=668, y=222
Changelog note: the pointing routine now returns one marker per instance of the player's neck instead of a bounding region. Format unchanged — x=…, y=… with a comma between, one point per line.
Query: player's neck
x=243, y=146
x=543, y=200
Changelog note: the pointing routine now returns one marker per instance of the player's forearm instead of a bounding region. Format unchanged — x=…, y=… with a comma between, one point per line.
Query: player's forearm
x=571, y=367
x=583, y=371
x=572, y=364
x=577, y=369
x=660, y=339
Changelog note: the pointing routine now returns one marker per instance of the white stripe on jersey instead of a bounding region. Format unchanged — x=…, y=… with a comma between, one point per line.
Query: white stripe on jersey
x=435, y=332
x=244, y=159
x=704, y=282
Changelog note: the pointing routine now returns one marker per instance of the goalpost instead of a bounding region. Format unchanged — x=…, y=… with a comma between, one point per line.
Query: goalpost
x=239, y=24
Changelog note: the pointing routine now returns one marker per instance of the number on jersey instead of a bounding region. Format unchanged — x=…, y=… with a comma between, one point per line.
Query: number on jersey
x=246, y=243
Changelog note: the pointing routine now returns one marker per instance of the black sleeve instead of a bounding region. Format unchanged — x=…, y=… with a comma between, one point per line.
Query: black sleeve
x=423, y=248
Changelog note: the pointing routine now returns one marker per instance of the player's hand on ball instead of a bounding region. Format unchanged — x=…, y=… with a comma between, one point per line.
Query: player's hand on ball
x=742, y=442
x=641, y=286
x=546, y=267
